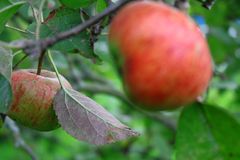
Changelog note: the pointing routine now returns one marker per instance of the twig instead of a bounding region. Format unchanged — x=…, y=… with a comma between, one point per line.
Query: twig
x=19, y=142
x=36, y=47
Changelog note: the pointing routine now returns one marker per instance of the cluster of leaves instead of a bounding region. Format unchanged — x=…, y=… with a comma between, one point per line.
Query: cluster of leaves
x=204, y=131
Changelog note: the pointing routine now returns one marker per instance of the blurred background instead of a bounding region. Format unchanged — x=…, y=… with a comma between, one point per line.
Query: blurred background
x=97, y=78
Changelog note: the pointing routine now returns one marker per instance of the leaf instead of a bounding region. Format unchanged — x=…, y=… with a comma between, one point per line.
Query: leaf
x=86, y=120
x=101, y=5
x=2, y=118
x=5, y=94
x=207, y=132
x=4, y=3
x=1, y=123
x=6, y=12
x=6, y=62
x=61, y=20
x=76, y=3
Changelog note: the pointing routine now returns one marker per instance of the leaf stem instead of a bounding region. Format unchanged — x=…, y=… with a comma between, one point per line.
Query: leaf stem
x=55, y=69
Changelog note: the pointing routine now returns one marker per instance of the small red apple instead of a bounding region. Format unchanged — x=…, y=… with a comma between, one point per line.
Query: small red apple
x=162, y=54
x=33, y=98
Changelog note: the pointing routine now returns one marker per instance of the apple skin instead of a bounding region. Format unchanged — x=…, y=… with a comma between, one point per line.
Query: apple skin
x=33, y=98
x=162, y=55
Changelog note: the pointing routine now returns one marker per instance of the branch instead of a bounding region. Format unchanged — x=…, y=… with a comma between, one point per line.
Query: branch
x=19, y=142
x=36, y=47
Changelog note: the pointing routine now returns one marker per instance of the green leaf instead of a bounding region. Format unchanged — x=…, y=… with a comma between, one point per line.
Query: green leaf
x=4, y=3
x=1, y=123
x=64, y=19
x=7, y=10
x=6, y=94
x=101, y=48
x=6, y=62
x=86, y=120
x=76, y=3
x=101, y=5
x=2, y=118
x=207, y=132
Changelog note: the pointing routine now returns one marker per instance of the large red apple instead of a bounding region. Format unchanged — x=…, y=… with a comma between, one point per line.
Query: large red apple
x=33, y=98
x=164, y=57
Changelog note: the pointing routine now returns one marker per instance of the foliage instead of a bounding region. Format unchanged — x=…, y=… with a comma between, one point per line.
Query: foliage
x=208, y=130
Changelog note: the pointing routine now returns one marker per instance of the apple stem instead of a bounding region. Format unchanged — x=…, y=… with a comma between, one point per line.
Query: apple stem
x=40, y=62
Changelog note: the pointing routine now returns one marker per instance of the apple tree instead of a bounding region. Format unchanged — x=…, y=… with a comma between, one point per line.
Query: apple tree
x=119, y=79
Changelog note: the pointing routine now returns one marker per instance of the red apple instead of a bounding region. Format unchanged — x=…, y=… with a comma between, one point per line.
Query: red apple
x=163, y=56
x=33, y=98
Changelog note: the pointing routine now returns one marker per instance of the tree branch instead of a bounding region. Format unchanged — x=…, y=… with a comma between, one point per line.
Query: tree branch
x=36, y=47
x=19, y=142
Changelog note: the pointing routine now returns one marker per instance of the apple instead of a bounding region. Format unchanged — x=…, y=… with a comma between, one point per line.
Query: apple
x=33, y=96
x=161, y=53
